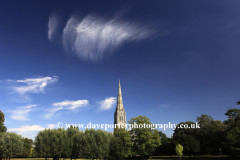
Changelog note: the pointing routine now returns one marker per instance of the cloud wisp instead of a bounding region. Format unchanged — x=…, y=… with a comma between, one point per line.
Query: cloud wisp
x=53, y=25
x=108, y=103
x=27, y=128
x=93, y=37
x=22, y=112
x=31, y=131
x=70, y=105
x=34, y=85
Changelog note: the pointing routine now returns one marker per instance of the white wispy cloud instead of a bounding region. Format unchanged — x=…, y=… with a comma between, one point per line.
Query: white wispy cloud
x=22, y=112
x=70, y=105
x=27, y=128
x=93, y=37
x=34, y=85
x=30, y=131
x=9, y=80
x=53, y=24
x=52, y=111
x=51, y=126
x=108, y=103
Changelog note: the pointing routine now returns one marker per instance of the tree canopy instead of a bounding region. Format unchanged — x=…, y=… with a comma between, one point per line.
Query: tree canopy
x=145, y=140
x=2, y=119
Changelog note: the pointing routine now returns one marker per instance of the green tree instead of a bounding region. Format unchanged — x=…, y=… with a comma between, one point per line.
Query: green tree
x=204, y=133
x=217, y=136
x=167, y=146
x=145, y=140
x=73, y=148
x=42, y=144
x=121, y=144
x=90, y=144
x=187, y=137
x=2, y=127
x=11, y=145
x=179, y=150
x=233, y=118
x=233, y=141
x=27, y=146
x=103, y=140
x=95, y=144
x=59, y=143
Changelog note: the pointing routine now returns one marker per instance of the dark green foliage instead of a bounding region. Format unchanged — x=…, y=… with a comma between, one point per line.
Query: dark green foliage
x=188, y=138
x=238, y=102
x=11, y=145
x=43, y=143
x=27, y=146
x=233, y=141
x=145, y=140
x=167, y=146
x=120, y=144
x=60, y=143
x=2, y=127
x=233, y=118
x=96, y=144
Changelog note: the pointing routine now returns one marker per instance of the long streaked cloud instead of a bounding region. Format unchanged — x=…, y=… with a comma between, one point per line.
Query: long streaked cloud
x=70, y=105
x=30, y=131
x=22, y=112
x=93, y=37
x=53, y=24
x=52, y=111
x=108, y=103
x=27, y=128
x=34, y=85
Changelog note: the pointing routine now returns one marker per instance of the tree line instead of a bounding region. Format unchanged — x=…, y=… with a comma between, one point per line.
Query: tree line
x=214, y=137
x=12, y=144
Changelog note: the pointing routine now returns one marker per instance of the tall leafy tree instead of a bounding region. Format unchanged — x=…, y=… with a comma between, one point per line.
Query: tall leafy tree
x=121, y=143
x=204, y=133
x=11, y=145
x=217, y=136
x=187, y=137
x=167, y=146
x=95, y=144
x=90, y=144
x=233, y=118
x=145, y=140
x=2, y=127
x=59, y=143
x=103, y=140
x=43, y=143
x=73, y=141
x=27, y=146
x=233, y=141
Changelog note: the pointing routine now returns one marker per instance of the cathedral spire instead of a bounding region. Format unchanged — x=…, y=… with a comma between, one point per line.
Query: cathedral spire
x=119, y=101
x=120, y=114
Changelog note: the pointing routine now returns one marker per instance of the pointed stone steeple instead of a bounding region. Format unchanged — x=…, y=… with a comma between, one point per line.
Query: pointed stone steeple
x=119, y=100
x=120, y=114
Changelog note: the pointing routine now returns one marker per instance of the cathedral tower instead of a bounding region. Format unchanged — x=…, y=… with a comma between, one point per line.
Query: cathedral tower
x=120, y=114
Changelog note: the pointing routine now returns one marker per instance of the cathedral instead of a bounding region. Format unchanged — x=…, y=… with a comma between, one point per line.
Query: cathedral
x=120, y=114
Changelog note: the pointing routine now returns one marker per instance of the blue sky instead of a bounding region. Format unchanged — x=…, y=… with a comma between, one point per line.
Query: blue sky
x=60, y=61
